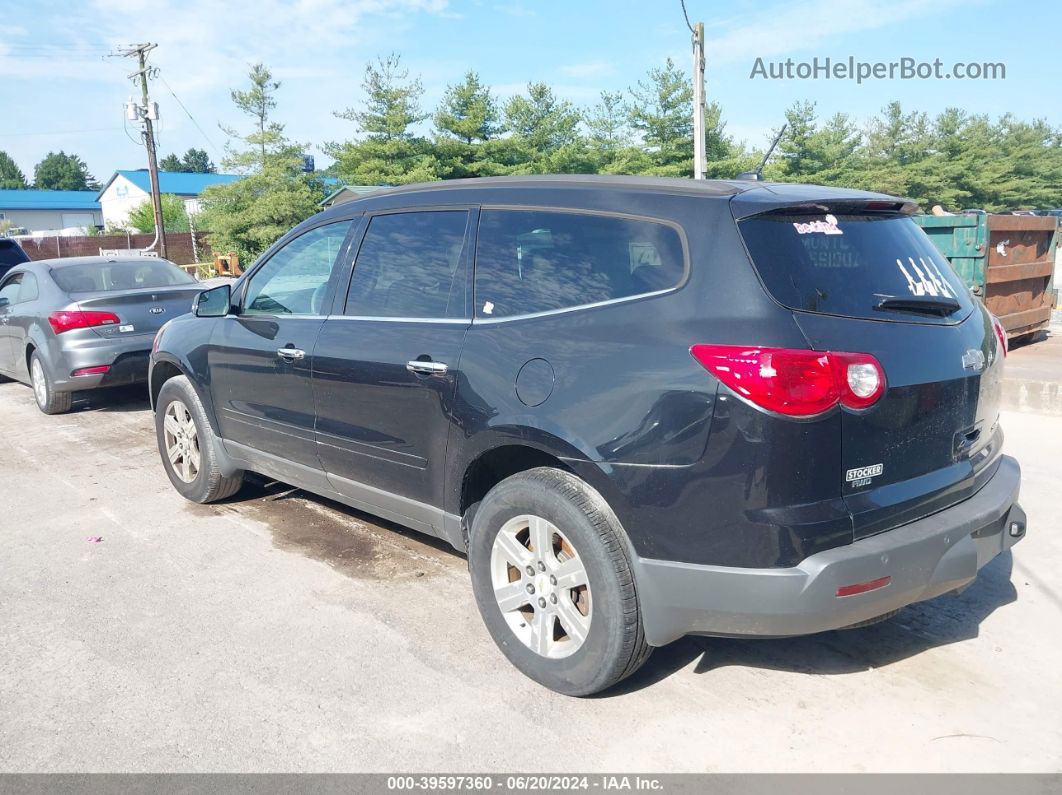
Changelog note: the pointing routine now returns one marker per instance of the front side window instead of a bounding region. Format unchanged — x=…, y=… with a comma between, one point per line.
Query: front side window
x=536, y=261
x=294, y=281
x=407, y=266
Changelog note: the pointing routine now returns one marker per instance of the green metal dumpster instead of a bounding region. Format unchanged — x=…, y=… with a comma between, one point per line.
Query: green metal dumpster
x=1006, y=260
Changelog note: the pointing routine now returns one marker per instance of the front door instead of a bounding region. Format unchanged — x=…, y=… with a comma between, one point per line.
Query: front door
x=260, y=358
x=386, y=363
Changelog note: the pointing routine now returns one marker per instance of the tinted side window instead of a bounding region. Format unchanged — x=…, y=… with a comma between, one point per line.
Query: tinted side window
x=535, y=261
x=10, y=288
x=29, y=290
x=407, y=264
x=294, y=281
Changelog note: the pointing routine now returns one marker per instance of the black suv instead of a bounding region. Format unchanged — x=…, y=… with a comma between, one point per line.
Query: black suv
x=11, y=254
x=645, y=408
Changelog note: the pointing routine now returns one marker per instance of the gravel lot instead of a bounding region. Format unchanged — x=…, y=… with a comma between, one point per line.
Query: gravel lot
x=282, y=632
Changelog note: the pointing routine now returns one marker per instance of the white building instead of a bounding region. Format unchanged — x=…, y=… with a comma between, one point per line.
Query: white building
x=50, y=210
x=127, y=190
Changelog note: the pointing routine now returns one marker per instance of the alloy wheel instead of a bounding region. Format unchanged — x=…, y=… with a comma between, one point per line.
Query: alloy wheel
x=40, y=382
x=182, y=441
x=541, y=586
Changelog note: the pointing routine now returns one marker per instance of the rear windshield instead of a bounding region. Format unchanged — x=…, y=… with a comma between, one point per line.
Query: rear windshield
x=852, y=265
x=11, y=253
x=94, y=277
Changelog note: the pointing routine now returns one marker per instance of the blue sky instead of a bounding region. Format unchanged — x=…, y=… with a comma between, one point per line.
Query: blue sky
x=60, y=92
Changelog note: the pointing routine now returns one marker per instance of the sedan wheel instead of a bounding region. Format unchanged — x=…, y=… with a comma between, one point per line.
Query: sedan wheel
x=40, y=383
x=48, y=400
x=182, y=441
x=541, y=586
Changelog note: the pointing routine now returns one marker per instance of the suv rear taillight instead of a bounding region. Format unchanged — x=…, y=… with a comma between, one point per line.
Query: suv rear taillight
x=68, y=321
x=1001, y=334
x=796, y=383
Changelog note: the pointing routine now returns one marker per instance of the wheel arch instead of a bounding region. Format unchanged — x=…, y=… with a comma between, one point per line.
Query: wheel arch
x=518, y=450
x=164, y=367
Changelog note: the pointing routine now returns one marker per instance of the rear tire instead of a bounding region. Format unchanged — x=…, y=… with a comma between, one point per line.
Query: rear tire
x=188, y=445
x=48, y=400
x=565, y=614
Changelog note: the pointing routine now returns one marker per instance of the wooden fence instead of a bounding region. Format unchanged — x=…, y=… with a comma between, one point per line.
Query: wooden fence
x=181, y=248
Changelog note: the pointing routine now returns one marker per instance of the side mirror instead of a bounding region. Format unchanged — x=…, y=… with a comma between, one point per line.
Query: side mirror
x=213, y=303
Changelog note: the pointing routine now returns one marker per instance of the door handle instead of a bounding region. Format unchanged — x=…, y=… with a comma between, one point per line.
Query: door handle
x=291, y=354
x=427, y=368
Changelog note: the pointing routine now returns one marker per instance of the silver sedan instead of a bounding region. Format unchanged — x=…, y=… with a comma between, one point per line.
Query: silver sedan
x=85, y=322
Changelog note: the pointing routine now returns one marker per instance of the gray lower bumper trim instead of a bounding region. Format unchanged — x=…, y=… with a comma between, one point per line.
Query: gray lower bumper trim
x=925, y=558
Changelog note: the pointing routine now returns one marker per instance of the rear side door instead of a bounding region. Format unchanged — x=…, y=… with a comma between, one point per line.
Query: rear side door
x=21, y=316
x=387, y=361
x=259, y=358
x=9, y=292
x=866, y=282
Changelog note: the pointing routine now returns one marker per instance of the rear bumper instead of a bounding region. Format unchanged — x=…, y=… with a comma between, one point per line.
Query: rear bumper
x=127, y=358
x=924, y=559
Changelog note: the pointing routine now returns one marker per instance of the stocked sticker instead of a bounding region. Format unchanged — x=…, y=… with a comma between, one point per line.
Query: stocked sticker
x=825, y=227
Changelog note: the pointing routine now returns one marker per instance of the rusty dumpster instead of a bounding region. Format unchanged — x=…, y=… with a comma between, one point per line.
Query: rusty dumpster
x=1006, y=260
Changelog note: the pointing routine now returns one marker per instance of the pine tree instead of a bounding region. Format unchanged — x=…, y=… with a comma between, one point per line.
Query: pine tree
x=197, y=161
x=171, y=163
x=661, y=110
x=11, y=176
x=60, y=171
x=388, y=150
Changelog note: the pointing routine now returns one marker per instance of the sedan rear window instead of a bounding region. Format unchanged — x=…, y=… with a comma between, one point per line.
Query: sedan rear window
x=99, y=277
x=881, y=267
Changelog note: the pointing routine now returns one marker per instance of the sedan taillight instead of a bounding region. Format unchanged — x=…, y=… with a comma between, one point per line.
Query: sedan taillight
x=796, y=383
x=68, y=321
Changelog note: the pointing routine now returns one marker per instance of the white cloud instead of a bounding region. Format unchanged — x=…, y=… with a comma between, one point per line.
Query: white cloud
x=586, y=71
x=809, y=24
x=517, y=10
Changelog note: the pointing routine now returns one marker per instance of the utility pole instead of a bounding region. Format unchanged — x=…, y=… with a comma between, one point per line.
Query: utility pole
x=148, y=112
x=699, y=163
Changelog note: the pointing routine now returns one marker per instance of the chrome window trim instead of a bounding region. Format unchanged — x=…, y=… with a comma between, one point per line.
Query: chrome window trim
x=484, y=321
x=683, y=242
x=387, y=319
x=447, y=320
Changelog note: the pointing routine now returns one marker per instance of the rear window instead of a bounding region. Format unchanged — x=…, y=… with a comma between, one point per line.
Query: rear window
x=849, y=264
x=96, y=277
x=536, y=261
x=11, y=253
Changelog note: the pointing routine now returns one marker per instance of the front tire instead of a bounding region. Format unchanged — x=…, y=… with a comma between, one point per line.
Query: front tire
x=48, y=400
x=553, y=582
x=188, y=445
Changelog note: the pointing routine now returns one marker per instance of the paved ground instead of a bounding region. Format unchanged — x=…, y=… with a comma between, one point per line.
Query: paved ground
x=282, y=632
x=1034, y=375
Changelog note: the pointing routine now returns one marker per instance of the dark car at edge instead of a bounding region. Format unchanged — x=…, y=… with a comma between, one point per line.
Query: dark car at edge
x=644, y=408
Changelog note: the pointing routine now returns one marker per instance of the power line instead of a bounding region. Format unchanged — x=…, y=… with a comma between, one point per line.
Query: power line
x=190, y=116
x=687, y=16
x=60, y=132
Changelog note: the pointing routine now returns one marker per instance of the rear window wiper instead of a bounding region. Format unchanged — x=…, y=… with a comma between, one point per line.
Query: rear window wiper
x=923, y=304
